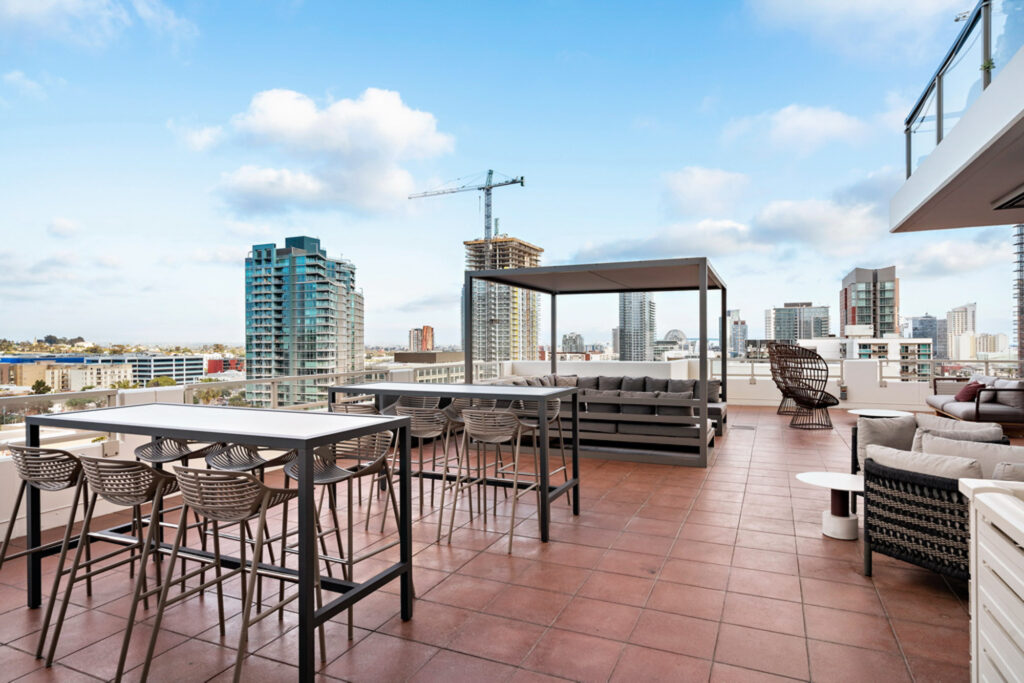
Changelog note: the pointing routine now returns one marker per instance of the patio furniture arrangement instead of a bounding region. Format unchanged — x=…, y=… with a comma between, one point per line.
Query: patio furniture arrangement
x=683, y=274
x=224, y=496
x=503, y=396
x=979, y=398
x=804, y=375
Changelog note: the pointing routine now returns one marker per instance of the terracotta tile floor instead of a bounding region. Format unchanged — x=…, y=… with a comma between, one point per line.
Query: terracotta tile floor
x=668, y=574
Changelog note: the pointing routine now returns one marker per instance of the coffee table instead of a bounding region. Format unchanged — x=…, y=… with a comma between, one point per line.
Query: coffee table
x=837, y=522
x=878, y=412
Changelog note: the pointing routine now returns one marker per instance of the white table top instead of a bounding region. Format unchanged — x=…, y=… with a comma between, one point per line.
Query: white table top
x=878, y=412
x=837, y=481
x=456, y=390
x=215, y=423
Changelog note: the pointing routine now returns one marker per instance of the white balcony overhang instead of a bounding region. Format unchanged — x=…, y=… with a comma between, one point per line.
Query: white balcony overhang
x=978, y=166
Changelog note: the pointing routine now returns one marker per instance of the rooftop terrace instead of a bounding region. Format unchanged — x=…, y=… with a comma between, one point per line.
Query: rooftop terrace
x=669, y=573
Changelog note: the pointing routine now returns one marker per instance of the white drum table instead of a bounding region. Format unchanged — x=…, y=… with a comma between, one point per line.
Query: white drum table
x=878, y=412
x=837, y=522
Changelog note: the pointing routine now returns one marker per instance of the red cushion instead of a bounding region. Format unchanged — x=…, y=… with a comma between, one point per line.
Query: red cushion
x=969, y=392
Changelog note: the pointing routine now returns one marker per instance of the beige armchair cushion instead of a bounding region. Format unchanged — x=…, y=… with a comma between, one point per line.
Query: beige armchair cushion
x=893, y=432
x=987, y=454
x=951, y=467
x=989, y=434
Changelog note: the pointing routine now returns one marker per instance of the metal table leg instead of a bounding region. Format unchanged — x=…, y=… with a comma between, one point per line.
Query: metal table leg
x=33, y=530
x=544, y=513
x=308, y=567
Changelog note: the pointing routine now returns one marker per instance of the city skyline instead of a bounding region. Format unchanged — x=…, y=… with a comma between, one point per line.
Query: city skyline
x=157, y=159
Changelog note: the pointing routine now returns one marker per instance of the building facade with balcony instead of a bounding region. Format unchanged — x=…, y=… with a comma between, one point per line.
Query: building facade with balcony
x=636, y=326
x=870, y=296
x=303, y=316
x=796, y=320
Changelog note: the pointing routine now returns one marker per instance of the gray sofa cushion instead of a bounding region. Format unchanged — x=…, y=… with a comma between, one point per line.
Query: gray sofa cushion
x=989, y=411
x=547, y=381
x=586, y=383
x=988, y=455
x=717, y=409
x=948, y=424
x=655, y=384
x=677, y=385
x=1009, y=471
x=892, y=432
x=632, y=384
x=605, y=383
x=1014, y=399
x=986, y=434
x=938, y=400
x=592, y=397
x=566, y=380
x=714, y=391
x=533, y=382
x=951, y=467
x=519, y=382
x=675, y=396
x=986, y=396
x=630, y=409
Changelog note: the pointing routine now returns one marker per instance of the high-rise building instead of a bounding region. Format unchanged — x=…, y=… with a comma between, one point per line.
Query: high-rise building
x=573, y=343
x=870, y=297
x=992, y=343
x=506, y=317
x=636, y=326
x=303, y=316
x=737, y=338
x=962, y=319
x=941, y=339
x=416, y=339
x=928, y=327
x=615, y=340
x=796, y=320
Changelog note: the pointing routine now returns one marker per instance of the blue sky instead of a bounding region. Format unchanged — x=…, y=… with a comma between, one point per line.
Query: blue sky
x=146, y=146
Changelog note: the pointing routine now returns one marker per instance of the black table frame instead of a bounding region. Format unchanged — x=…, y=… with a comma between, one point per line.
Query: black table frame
x=309, y=616
x=501, y=393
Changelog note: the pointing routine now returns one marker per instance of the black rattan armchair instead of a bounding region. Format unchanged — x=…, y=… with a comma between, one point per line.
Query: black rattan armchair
x=804, y=375
x=775, y=350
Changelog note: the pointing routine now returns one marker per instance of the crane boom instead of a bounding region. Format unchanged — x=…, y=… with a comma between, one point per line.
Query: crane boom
x=466, y=188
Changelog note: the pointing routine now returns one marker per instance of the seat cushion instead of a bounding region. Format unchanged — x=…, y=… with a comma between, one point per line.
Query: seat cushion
x=586, y=383
x=655, y=384
x=630, y=409
x=936, y=401
x=675, y=396
x=948, y=466
x=892, y=432
x=948, y=424
x=632, y=384
x=592, y=397
x=717, y=409
x=993, y=412
x=988, y=455
x=988, y=434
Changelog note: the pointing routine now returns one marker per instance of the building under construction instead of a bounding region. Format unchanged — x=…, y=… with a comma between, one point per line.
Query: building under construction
x=511, y=315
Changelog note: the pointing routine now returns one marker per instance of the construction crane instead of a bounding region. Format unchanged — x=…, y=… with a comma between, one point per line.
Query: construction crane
x=485, y=188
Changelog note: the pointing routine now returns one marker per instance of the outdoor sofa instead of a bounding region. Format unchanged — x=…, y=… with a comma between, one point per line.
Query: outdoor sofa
x=1002, y=400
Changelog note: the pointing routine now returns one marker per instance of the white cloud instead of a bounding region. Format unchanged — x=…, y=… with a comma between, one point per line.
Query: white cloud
x=709, y=237
x=198, y=139
x=93, y=23
x=220, y=255
x=989, y=249
x=826, y=225
x=248, y=230
x=798, y=128
x=109, y=261
x=62, y=227
x=23, y=84
x=358, y=147
x=698, y=191
x=870, y=29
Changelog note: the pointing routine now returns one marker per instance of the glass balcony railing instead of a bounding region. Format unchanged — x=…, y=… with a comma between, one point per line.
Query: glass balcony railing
x=992, y=34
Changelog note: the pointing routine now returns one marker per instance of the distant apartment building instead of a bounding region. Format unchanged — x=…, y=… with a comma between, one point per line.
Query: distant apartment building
x=303, y=316
x=796, y=320
x=507, y=318
x=573, y=343
x=735, y=342
x=615, y=340
x=217, y=365
x=636, y=326
x=930, y=327
x=860, y=344
x=962, y=320
x=421, y=338
x=61, y=376
x=145, y=367
x=992, y=343
x=870, y=297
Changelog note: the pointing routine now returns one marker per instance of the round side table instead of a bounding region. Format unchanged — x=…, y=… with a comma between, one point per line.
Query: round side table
x=837, y=522
x=878, y=412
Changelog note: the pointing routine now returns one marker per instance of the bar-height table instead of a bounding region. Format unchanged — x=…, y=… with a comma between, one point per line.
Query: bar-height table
x=501, y=393
x=277, y=429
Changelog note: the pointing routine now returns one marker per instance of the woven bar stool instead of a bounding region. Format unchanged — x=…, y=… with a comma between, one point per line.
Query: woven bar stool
x=426, y=423
x=223, y=498
x=411, y=402
x=347, y=462
x=356, y=409
x=47, y=469
x=123, y=483
x=526, y=411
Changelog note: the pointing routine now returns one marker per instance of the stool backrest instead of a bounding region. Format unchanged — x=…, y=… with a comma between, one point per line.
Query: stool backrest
x=124, y=482
x=355, y=408
x=48, y=469
x=529, y=408
x=364, y=455
x=221, y=496
x=419, y=401
x=490, y=425
x=424, y=421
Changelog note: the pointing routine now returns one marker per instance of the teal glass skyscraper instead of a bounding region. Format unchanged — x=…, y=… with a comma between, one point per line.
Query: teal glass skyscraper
x=303, y=316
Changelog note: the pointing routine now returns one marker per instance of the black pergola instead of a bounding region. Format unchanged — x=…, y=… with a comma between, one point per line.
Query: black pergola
x=662, y=275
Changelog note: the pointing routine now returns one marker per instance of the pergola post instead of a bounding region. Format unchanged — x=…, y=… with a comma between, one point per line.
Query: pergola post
x=467, y=326
x=723, y=335
x=554, y=334
x=703, y=374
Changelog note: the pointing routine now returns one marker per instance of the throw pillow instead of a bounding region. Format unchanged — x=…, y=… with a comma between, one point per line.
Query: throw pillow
x=546, y=381
x=950, y=467
x=986, y=396
x=594, y=405
x=969, y=392
x=1009, y=471
x=894, y=432
x=634, y=409
x=609, y=383
x=654, y=384
x=989, y=434
x=632, y=384
x=533, y=382
x=987, y=454
x=714, y=391
x=586, y=383
x=565, y=380
x=946, y=424
x=1014, y=399
x=675, y=411
x=520, y=382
